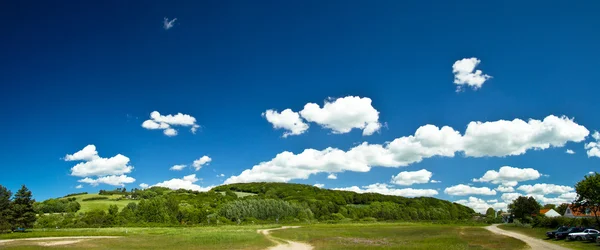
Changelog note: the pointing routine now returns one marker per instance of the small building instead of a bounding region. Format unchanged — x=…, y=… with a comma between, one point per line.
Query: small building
x=550, y=213
x=506, y=217
x=572, y=212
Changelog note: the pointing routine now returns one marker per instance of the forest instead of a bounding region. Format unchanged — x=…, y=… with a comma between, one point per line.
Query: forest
x=270, y=203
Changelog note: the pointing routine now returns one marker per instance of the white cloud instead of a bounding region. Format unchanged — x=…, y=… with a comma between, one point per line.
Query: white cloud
x=593, y=148
x=505, y=189
x=221, y=175
x=178, y=167
x=389, y=190
x=408, y=178
x=465, y=73
x=187, y=182
x=570, y=152
x=79, y=186
x=434, y=181
x=563, y=198
x=504, y=138
x=204, y=160
x=332, y=177
x=509, y=176
x=144, y=185
x=95, y=165
x=167, y=25
x=288, y=120
x=591, y=172
x=319, y=185
x=481, y=206
x=166, y=123
x=492, y=201
x=462, y=190
x=544, y=189
x=114, y=180
x=500, y=138
x=344, y=114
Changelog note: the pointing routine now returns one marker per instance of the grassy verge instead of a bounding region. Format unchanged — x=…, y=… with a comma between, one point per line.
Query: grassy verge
x=227, y=237
x=540, y=233
x=401, y=235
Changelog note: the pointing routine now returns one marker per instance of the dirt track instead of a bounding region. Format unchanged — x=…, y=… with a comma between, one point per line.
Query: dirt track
x=58, y=241
x=535, y=244
x=289, y=245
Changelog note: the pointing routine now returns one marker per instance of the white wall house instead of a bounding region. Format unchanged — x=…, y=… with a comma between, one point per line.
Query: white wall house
x=586, y=213
x=550, y=213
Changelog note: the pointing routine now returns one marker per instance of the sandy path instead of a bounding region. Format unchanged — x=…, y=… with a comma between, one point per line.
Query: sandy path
x=56, y=241
x=535, y=244
x=289, y=245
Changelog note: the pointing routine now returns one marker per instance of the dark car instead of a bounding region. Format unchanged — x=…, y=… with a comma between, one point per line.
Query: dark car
x=592, y=236
x=563, y=235
x=552, y=234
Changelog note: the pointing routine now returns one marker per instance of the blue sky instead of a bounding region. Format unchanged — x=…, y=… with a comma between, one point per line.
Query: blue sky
x=90, y=73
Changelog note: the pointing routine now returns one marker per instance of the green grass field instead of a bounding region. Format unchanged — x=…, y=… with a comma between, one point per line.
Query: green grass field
x=240, y=194
x=540, y=233
x=399, y=236
x=100, y=204
x=322, y=236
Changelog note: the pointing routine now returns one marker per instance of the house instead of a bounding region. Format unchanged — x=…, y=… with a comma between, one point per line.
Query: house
x=549, y=212
x=506, y=217
x=579, y=213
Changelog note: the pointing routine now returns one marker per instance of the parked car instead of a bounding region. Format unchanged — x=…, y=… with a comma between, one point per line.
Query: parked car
x=581, y=235
x=592, y=236
x=564, y=234
x=598, y=239
x=552, y=234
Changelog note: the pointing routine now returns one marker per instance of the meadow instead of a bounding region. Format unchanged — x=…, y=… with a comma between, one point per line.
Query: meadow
x=320, y=236
x=540, y=233
x=89, y=205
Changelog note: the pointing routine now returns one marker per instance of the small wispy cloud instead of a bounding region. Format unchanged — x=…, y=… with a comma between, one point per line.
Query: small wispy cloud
x=79, y=186
x=570, y=152
x=168, y=24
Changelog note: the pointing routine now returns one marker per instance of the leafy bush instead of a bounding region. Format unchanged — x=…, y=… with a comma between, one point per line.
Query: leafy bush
x=75, y=194
x=95, y=198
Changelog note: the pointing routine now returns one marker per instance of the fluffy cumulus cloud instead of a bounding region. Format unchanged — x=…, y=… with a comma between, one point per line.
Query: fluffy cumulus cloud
x=114, y=180
x=499, y=138
x=568, y=197
x=204, y=160
x=144, y=185
x=168, y=24
x=569, y=151
x=593, y=148
x=408, y=178
x=462, y=190
x=389, y=190
x=544, y=189
x=288, y=120
x=319, y=185
x=466, y=75
x=94, y=165
x=187, y=182
x=509, y=176
x=79, y=186
x=167, y=122
x=178, y=167
x=344, y=114
x=332, y=177
x=505, y=189
x=481, y=206
x=504, y=138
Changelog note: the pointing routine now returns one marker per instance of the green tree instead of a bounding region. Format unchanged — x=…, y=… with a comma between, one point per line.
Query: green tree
x=490, y=213
x=23, y=214
x=523, y=208
x=549, y=206
x=562, y=208
x=588, y=195
x=5, y=214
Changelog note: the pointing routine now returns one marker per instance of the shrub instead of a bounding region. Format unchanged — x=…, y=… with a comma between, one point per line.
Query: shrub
x=74, y=194
x=95, y=198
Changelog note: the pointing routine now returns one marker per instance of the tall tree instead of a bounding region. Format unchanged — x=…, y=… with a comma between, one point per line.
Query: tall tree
x=562, y=208
x=5, y=217
x=588, y=195
x=23, y=214
x=524, y=207
x=490, y=213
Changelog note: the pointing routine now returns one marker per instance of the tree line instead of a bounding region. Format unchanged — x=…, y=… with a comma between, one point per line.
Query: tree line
x=16, y=211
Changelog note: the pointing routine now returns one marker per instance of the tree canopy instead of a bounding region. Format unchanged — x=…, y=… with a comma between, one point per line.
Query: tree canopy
x=588, y=195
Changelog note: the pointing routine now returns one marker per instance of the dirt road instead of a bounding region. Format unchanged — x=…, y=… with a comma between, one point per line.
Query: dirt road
x=535, y=244
x=288, y=245
x=58, y=241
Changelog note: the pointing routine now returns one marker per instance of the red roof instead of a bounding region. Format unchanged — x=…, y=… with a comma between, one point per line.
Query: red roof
x=580, y=212
x=544, y=211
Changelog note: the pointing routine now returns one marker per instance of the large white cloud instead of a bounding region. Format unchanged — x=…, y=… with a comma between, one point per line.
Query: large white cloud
x=204, y=160
x=465, y=73
x=389, y=190
x=407, y=178
x=541, y=198
x=504, y=138
x=94, y=165
x=481, y=206
x=500, y=138
x=462, y=190
x=593, y=148
x=114, y=180
x=543, y=189
x=344, y=114
x=166, y=122
x=505, y=189
x=288, y=120
x=509, y=176
x=187, y=182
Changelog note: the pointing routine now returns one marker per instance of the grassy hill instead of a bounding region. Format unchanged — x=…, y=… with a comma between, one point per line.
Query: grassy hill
x=88, y=205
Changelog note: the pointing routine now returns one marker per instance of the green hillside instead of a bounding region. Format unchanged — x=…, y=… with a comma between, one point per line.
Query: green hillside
x=88, y=205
